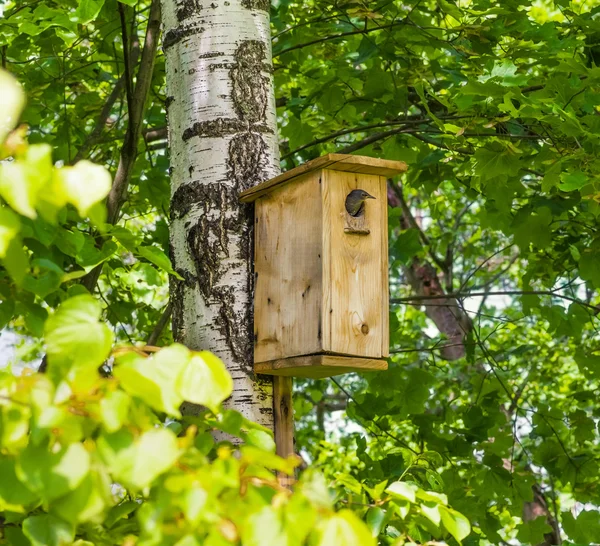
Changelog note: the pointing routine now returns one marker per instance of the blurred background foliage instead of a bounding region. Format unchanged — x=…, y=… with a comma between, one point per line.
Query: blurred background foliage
x=495, y=108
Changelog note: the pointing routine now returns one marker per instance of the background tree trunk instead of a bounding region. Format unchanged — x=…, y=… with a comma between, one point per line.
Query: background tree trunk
x=223, y=139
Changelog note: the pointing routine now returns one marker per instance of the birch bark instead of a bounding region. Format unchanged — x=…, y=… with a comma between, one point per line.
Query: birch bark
x=222, y=140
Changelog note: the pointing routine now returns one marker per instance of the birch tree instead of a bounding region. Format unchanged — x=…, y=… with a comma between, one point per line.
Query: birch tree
x=223, y=139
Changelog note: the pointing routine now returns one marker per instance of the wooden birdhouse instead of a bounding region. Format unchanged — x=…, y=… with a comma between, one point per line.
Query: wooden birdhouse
x=321, y=272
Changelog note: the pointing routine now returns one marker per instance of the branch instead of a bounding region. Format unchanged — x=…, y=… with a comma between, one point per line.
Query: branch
x=126, y=58
x=94, y=137
x=373, y=138
x=136, y=114
x=160, y=325
x=409, y=120
x=397, y=189
x=116, y=197
x=158, y=133
x=96, y=133
x=408, y=299
x=340, y=35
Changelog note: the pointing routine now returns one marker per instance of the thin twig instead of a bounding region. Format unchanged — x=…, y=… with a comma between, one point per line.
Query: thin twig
x=408, y=299
x=160, y=325
x=94, y=137
x=126, y=58
x=339, y=35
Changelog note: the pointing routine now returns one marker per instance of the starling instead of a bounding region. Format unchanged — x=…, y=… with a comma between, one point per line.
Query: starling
x=355, y=202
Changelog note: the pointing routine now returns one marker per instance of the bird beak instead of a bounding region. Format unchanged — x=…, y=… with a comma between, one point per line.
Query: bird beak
x=369, y=196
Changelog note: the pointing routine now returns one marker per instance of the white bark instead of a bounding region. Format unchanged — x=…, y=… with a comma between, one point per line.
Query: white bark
x=222, y=139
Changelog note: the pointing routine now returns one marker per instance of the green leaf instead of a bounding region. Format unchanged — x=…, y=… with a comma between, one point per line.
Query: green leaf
x=572, y=181
x=47, y=530
x=86, y=502
x=455, y=523
x=496, y=163
x=432, y=496
x=138, y=462
x=16, y=261
x=155, y=380
x=114, y=408
x=261, y=439
x=344, y=529
x=13, y=101
x=533, y=531
x=265, y=528
x=158, y=258
x=194, y=503
x=52, y=475
x=70, y=242
x=9, y=229
x=205, y=381
x=22, y=180
x=42, y=285
x=13, y=493
x=119, y=512
x=75, y=336
x=374, y=519
x=403, y=490
x=408, y=245
x=83, y=185
x=87, y=10
x=432, y=512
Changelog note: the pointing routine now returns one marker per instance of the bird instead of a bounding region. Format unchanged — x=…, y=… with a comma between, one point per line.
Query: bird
x=355, y=202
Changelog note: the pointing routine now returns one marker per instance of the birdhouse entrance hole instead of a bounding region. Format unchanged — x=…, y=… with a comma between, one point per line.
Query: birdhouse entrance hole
x=355, y=223
x=321, y=299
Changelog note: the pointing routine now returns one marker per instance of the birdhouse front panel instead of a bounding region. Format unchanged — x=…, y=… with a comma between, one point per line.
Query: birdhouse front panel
x=355, y=269
x=321, y=267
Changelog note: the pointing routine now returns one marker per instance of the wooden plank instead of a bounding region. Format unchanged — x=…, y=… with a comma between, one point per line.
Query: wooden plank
x=385, y=283
x=338, y=162
x=354, y=322
x=319, y=366
x=288, y=255
x=283, y=411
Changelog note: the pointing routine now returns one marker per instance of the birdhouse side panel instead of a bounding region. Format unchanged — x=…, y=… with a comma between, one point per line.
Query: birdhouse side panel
x=355, y=304
x=288, y=270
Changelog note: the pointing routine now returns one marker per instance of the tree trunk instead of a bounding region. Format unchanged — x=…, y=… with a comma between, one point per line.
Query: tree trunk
x=222, y=139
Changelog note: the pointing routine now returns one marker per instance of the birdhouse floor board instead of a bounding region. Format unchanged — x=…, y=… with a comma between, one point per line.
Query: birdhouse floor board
x=319, y=366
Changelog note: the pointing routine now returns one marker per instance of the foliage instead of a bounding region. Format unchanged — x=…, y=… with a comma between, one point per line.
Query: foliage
x=494, y=106
x=88, y=459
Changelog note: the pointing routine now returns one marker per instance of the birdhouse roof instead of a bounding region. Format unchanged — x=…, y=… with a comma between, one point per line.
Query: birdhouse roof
x=338, y=162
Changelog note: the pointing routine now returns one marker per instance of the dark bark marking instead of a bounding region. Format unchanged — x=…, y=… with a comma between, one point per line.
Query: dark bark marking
x=221, y=127
x=247, y=160
x=263, y=5
x=211, y=55
x=250, y=88
x=175, y=35
x=203, y=195
x=221, y=216
x=187, y=8
x=169, y=100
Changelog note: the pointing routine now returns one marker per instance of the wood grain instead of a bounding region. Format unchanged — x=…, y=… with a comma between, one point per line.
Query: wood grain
x=355, y=275
x=288, y=263
x=283, y=412
x=385, y=282
x=319, y=366
x=339, y=162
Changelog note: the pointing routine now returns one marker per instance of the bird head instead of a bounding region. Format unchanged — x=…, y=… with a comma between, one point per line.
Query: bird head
x=355, y=201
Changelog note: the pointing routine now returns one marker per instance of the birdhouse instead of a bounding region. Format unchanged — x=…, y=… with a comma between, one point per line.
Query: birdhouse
x=321, y=267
